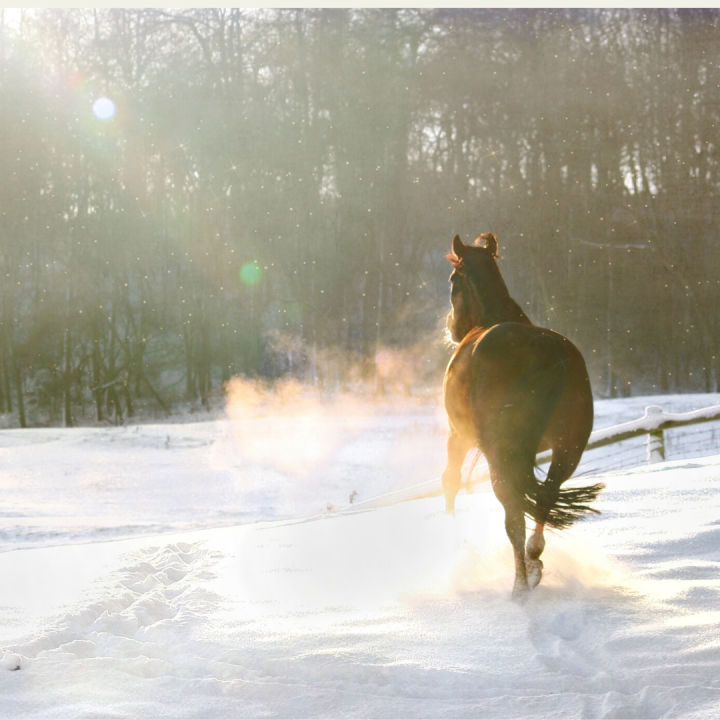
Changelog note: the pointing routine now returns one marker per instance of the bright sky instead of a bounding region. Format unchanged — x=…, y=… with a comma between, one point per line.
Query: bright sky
x=11, y=16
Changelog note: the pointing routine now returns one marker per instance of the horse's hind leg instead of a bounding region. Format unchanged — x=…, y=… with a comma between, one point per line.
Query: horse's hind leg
x=547, y=497
x=508, y=485
x=560, y=470
x=533, y=549
x=457, y=449
x=515, y=529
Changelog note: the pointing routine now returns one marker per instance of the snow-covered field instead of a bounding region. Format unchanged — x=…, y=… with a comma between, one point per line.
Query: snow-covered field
x=224, y=600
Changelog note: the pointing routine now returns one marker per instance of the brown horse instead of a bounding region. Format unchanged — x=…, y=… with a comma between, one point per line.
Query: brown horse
x=513, y=389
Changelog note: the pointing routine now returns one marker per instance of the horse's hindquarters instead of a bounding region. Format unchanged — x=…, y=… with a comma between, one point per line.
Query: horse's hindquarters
x=529, y=386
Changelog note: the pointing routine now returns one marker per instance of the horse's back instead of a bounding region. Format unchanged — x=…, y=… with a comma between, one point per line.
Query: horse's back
x=511, y=357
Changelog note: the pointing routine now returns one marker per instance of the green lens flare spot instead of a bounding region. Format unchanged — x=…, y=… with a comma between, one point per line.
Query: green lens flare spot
x=250, y=273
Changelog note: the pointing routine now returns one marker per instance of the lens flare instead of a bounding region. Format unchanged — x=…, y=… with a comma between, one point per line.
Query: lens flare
x=104, y=109
x=250, y=273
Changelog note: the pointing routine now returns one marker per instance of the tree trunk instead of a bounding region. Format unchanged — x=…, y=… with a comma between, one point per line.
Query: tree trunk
x=67, y=400
x=19, y=390
x=97, y=379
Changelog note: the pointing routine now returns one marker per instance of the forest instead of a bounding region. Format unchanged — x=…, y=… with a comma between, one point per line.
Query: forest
x=192, y=195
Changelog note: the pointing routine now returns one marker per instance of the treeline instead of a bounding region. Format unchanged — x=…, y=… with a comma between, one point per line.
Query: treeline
x=277, y=189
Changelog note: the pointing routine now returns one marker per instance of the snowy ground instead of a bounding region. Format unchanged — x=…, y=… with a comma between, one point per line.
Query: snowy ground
x=396, y=612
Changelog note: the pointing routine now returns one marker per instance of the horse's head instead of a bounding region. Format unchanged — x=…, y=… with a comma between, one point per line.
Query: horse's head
x=476, y=286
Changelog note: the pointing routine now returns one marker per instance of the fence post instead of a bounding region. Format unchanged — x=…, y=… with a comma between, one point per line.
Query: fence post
x=655, y=438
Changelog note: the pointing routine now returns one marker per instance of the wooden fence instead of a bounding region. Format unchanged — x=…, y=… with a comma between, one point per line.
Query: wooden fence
x=653, y=424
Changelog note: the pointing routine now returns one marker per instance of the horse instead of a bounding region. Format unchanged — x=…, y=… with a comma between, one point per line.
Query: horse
x=513, y=389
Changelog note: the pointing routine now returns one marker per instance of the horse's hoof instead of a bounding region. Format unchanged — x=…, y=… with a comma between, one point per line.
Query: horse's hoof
x=534, y=572
x=535, y=546
x=520, y=593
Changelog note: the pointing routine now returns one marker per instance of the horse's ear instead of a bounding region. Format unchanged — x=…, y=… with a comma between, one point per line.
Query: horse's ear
x=490, y=242
x=458, y=246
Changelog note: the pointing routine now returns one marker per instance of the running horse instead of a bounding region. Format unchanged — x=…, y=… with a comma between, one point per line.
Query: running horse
x=513, y=389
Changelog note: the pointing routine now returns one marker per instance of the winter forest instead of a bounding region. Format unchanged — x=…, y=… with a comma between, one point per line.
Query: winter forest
x=192, y=195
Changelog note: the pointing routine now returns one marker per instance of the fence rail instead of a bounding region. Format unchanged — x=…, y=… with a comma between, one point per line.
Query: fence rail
x=653, y=425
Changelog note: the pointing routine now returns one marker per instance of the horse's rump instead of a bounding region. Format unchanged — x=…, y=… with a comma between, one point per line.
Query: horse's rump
x=516, y=383
x=523, y=377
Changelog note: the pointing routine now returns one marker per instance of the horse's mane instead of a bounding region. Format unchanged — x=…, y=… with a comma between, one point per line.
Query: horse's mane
x=472, y=336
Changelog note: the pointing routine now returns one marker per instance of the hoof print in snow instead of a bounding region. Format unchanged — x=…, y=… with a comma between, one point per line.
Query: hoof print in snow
x=11, y=662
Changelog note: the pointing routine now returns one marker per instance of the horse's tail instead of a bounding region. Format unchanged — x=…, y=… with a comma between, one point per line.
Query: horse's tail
x=571, y=503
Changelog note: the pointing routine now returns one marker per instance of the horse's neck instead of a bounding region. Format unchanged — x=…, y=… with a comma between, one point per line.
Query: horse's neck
x=499, y=307
x=514, y=313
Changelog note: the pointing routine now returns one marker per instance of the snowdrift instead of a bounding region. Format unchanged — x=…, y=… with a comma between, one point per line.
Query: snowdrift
x=396, y=612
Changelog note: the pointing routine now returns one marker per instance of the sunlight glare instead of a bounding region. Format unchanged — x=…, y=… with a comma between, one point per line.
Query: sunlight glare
x=104, y=109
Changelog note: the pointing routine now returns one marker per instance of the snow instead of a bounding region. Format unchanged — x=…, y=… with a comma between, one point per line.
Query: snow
x=11, y=661
x=224, y=600
x=86, y=484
